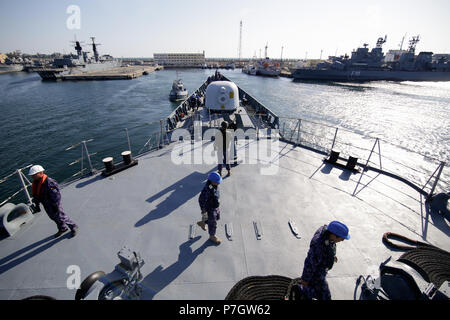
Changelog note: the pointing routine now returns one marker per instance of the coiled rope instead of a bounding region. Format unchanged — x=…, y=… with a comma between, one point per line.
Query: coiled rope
x=431, y=262
x=273, y=287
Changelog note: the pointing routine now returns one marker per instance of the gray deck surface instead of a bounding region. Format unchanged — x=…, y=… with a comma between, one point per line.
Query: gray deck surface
x=150, y=207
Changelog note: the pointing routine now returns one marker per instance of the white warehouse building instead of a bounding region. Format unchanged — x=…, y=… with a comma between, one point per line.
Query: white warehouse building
x=179, y=59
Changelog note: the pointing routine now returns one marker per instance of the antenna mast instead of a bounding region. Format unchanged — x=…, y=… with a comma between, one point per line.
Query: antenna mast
x=412, y=44
x=94, y=48
x=401, y=43
x=240, y=41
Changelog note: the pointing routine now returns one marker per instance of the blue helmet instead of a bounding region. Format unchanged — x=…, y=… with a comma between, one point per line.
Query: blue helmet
x=339, y=229
x=215, y=177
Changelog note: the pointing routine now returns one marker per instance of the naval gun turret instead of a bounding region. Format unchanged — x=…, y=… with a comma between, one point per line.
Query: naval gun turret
x=222, y=97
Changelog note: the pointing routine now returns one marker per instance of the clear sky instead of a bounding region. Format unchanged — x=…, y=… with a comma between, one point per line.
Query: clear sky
x=139, y=28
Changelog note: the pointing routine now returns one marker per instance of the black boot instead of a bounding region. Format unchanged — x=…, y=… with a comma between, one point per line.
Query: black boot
x=74, y=231
x=60, y=233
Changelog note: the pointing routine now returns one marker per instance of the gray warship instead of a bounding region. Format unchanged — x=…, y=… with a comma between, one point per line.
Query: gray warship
x=138, y=237
x=80, y=63
x=365, y=65
x=11, y=65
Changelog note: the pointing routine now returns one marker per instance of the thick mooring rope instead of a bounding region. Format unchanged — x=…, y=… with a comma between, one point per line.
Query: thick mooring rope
x=271, y=287
x=432, y=263
x=396, y=236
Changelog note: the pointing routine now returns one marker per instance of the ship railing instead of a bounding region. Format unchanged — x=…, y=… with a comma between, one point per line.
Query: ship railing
x=25, y=183
x=257, y=109
x=91, y=163
x=184, y=110
x=409, y=166
x=373, y=154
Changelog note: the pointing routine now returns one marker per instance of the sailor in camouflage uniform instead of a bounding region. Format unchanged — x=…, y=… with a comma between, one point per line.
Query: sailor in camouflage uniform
x=45, y=190
x=320, y=259
x=209, y=204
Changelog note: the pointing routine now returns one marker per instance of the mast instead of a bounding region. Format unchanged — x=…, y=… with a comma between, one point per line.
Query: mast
x=94, y=48
x=401, y=43
x=412, y=44
x=78, y=47
x=240, y=41
x=265, y=50
x=381, y=41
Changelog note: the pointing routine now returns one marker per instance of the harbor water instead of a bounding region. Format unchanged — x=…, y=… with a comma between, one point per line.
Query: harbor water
x=40, y=120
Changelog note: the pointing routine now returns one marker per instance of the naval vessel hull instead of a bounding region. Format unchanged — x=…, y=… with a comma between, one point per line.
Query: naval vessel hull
x=58, y=73
x=10, y=68
x=267, y=73
x=367, y=75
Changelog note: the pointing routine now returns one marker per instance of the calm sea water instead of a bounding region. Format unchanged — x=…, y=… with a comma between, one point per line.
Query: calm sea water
x=41, y=119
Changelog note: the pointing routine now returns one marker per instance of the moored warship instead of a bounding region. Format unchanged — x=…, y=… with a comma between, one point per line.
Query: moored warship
x=80, y=63
x=372, y=66
x=11, y=65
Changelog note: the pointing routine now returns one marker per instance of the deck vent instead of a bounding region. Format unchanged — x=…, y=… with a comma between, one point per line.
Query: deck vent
x=294, y=229
x=229, y=231
x=258, y=229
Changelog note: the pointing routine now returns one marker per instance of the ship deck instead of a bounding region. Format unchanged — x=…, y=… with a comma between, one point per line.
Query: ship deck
x=150, y=207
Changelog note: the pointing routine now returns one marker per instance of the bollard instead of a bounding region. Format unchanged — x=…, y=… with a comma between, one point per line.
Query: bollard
x=127, y=159
x=109, y=164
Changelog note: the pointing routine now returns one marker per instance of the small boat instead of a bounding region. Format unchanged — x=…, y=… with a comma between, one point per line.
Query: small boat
x=268, y=67
x=249, y=69
x=178, y=91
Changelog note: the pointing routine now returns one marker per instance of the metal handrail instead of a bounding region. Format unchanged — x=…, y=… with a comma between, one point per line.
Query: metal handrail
x=366, y=149
x=288, y=135
x=160, y=138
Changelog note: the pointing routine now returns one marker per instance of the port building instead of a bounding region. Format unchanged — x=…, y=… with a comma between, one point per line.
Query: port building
x=179, y=60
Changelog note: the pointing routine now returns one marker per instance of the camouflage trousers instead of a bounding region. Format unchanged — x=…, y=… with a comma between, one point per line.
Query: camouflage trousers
x=213, y=216
x=62, y=221
x=317, y=289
